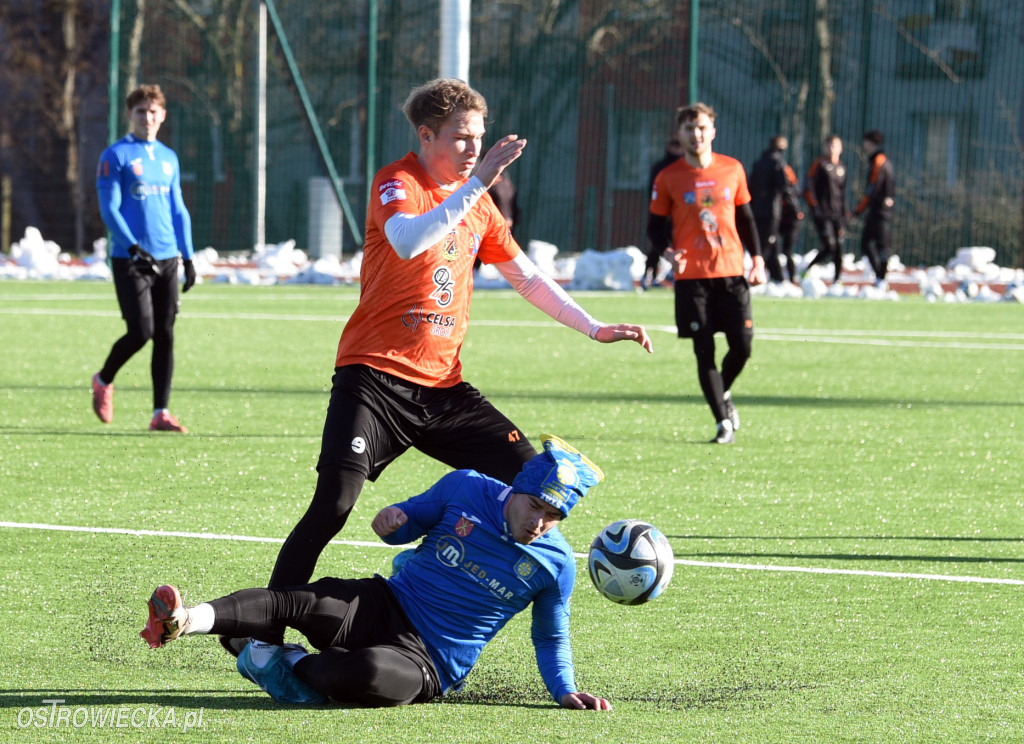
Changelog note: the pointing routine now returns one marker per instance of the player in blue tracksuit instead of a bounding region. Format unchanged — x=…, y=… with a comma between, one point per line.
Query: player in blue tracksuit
x=488, y=552
x=138, y=183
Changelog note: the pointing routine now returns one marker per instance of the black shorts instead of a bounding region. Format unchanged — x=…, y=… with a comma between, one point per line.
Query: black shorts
x=713, y=305
x=374, y=417
x=142, y=294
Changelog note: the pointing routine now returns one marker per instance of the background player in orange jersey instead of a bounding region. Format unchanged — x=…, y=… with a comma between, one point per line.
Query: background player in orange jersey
x=705, y=196
x=398, y=379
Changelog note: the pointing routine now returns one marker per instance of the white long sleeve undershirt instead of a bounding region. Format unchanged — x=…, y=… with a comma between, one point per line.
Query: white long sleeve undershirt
x=410, y=235
x=543, y=293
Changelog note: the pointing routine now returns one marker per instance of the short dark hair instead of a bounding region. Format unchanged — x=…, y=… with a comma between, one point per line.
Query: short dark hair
x=432, y=103
x=149, y=93
x=874, y=137
x=691, y=112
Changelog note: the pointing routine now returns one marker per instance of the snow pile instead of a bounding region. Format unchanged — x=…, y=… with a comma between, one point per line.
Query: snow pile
x=968, y=277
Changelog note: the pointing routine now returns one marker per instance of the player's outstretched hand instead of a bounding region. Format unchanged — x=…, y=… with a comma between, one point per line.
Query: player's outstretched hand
x=584, y=701
x=757, y=275
x=608, y=334
x=501, y=155
x=388, y=519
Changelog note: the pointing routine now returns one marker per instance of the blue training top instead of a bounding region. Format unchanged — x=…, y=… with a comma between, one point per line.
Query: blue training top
x=139, y=188
x=469, y=577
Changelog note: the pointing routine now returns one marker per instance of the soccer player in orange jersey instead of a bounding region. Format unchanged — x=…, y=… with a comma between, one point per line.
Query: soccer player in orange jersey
x=398, y=379
x=705, y=196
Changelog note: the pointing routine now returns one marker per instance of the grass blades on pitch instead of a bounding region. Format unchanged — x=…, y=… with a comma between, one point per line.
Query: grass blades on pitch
x=873, y=502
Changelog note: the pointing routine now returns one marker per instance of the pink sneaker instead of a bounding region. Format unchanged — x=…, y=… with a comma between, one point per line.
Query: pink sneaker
x=164, y=421
x=102, y=399
x=168, y=617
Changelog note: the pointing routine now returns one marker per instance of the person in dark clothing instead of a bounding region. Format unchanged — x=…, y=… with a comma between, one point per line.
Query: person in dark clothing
x=825, y=194
x=505, y=195
x=673, y=151
x=769, y=190
x=877, y=203
x=789, y=227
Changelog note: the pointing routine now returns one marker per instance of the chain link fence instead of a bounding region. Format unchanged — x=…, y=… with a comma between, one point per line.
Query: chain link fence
x=592, y=85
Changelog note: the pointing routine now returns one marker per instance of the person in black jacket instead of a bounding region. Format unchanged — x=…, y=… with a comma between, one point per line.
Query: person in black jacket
x=877, y=203
x=825, y=194
x=769, y=190
x=673, y=151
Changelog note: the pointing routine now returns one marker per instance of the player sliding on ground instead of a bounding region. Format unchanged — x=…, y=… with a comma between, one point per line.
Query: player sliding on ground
x=489, y=550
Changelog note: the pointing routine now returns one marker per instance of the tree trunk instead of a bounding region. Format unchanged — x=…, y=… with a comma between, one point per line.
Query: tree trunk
x=68, y=120
x=827, y=99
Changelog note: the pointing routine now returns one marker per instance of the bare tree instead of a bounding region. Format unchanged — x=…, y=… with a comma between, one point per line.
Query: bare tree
x=47, y=47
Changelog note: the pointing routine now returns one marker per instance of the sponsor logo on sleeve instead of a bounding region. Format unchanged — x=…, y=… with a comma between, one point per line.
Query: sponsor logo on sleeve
x=393, y=190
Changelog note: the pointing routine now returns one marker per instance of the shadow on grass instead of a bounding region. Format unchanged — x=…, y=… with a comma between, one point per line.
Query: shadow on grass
x=209, y=699
x=873, y=557
x=562, y=396
x=750, y=695
x=853, y=557
x=185, y=699
x=145, y=433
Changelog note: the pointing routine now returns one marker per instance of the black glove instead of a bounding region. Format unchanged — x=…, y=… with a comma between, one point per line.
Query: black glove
x=141, y=259
x=190, y=275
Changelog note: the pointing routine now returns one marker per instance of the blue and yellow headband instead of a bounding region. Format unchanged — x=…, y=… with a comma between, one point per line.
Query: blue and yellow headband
x=560, y=475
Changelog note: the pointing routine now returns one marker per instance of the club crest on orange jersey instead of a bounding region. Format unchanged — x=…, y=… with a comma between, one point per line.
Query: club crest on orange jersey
x=450, y=247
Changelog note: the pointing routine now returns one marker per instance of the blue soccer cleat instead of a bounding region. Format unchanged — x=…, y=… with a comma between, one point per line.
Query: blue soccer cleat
x=277, y=679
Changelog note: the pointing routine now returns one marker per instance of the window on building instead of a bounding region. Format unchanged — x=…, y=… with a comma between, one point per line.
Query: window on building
x=941, y=38
x=638, y=142
x=937, y=148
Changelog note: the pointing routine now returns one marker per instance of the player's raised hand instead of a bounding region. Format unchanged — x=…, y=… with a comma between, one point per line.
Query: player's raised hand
x=388, y=519
x=609, y=334
x=502, y=154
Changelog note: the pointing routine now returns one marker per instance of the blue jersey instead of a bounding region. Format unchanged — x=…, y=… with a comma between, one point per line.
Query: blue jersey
x=469, y=554
x=139, y=189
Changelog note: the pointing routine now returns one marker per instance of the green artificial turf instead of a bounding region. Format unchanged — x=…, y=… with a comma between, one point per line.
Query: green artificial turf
x=845, y=569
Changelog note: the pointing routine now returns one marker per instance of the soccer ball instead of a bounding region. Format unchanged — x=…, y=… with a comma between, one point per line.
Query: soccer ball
x=630, y=562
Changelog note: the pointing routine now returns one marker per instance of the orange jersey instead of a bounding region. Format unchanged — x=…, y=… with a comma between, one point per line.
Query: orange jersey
x=413, y=313
x=701, y=203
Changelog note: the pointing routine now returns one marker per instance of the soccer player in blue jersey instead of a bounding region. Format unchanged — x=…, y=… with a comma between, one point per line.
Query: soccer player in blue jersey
x=488, y=552
x=139, y=187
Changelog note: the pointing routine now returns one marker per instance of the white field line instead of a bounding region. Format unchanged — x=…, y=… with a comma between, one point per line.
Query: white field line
x=940, y=339
x=364, y=544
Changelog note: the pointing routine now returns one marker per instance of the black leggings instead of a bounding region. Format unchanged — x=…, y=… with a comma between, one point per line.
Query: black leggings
x=830, y=232
x=874, y=242
x=715, y=384
x=336, y=493
x=371, y=656
x=149, y=304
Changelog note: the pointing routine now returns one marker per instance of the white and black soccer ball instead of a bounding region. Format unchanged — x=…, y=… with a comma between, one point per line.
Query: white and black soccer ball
x=630, y=562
